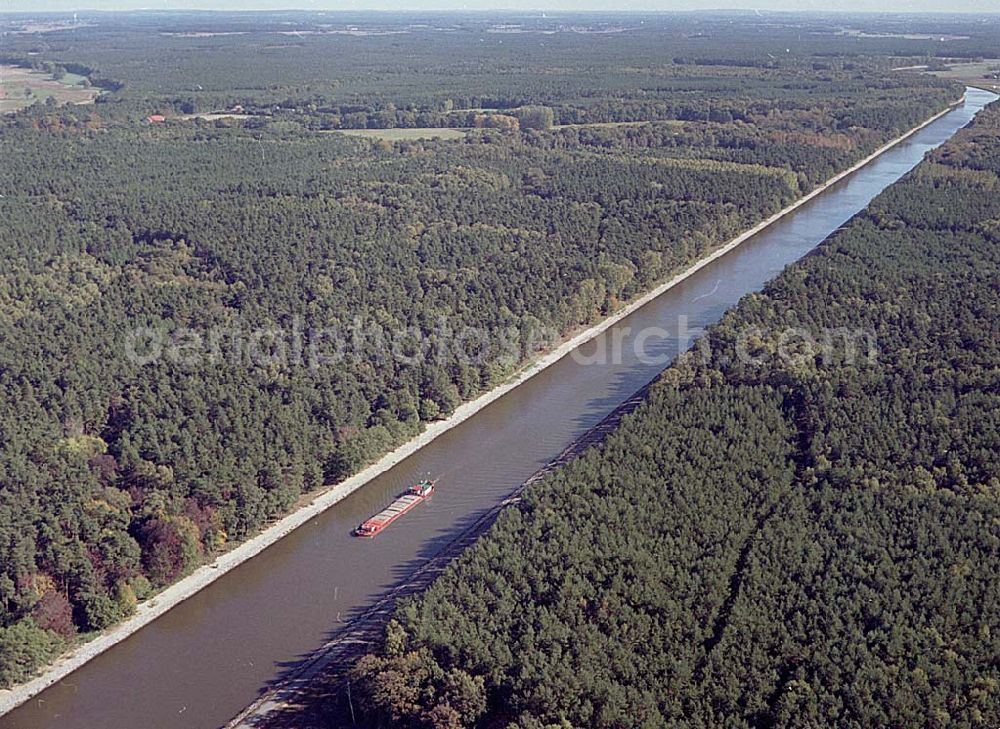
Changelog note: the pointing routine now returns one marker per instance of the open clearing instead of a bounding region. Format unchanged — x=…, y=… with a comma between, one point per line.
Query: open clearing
x=21, y=87
x=975, y=73
x=612, y=125
x=214, y=116
x=858, y=33
x=398, y=135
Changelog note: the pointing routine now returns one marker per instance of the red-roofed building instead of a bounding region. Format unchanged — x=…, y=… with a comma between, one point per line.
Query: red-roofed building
x=156, y=118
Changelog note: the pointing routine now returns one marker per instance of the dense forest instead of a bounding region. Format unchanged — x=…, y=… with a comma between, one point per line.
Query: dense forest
x=782, y=535
x=225, y=245
x=358, y=69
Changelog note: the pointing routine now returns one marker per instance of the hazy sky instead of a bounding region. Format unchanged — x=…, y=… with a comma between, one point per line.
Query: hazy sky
x=982, y=6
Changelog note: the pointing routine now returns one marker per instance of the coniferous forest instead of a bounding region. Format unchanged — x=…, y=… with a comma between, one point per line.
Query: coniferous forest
x=166, y=249
x=803, y=538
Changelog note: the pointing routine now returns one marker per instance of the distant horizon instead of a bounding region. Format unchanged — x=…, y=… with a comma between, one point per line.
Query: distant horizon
x=820, y=7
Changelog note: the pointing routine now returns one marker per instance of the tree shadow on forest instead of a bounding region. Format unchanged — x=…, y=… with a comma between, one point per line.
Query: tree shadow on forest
x=321, y=697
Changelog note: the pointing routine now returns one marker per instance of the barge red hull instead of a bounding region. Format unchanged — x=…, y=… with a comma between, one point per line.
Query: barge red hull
x=416, y=494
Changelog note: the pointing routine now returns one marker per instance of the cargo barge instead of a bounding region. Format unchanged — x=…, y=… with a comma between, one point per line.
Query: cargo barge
x=414, y=495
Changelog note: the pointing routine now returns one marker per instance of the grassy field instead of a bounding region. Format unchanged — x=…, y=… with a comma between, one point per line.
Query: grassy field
x=21, y=87
x=213, y=116
x=598, y=125
x=398, y=135
x=975, y=73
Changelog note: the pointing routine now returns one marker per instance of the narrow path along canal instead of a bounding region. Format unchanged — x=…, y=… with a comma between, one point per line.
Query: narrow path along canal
x=206, y=659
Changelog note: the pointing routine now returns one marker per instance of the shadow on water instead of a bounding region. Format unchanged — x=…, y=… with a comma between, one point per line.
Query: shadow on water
x=320, y=694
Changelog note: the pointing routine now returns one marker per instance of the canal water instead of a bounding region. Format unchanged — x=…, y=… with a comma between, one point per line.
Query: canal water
x=205, y=660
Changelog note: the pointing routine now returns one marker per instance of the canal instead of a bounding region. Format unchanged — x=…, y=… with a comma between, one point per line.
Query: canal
x=206, y=659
